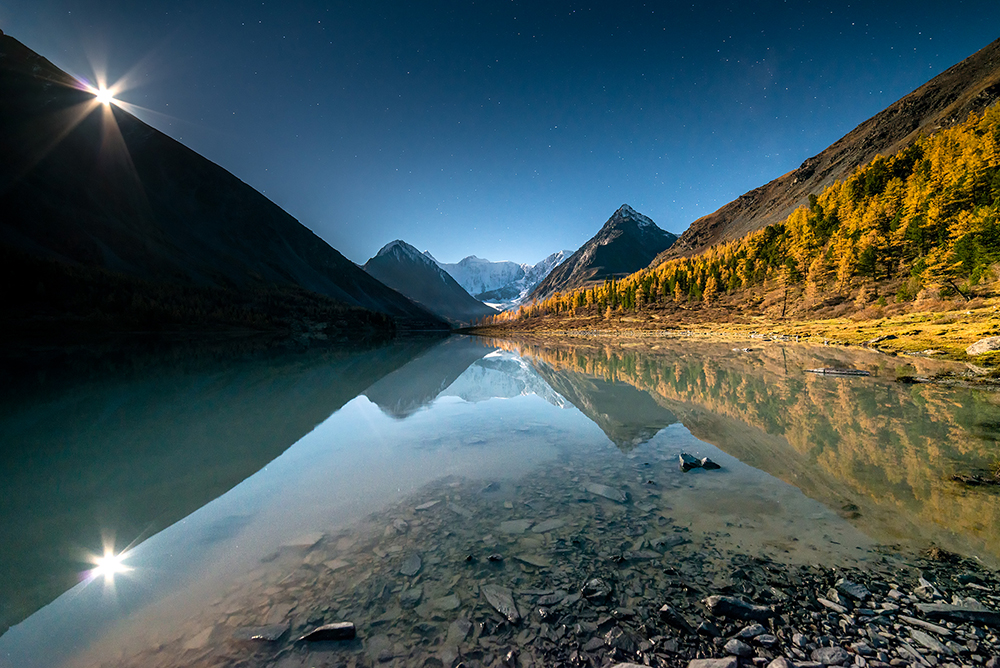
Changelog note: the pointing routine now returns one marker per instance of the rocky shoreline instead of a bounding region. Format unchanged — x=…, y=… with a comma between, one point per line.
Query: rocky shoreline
x=585, y=574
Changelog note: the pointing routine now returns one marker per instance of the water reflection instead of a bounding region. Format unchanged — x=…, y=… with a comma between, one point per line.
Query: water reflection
x=879, y=452
x=453, y=451
x=119, y=456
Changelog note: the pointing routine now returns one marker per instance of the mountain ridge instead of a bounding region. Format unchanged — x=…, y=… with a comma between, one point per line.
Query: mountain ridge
x=627, y=242
x=404, y=268
x=90, y=185
x=946, y=100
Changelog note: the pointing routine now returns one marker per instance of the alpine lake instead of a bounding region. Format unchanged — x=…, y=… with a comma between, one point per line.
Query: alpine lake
x=481, y=502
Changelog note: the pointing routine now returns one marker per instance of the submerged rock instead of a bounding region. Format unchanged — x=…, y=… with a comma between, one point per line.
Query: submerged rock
x=502, y=600
x=596, y=588
x=411, y=566
x=615, y=495
x=335, y=631
x=270, y=633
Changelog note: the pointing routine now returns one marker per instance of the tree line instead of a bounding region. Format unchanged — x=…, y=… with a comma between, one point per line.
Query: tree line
x=925, y=221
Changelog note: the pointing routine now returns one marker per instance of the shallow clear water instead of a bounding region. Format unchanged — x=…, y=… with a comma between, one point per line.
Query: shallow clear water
x=374, y=485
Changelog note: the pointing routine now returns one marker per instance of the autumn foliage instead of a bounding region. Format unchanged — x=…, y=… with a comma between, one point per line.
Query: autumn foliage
x=920, y=224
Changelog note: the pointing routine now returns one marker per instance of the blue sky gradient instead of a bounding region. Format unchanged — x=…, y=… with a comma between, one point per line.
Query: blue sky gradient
x=504, y=129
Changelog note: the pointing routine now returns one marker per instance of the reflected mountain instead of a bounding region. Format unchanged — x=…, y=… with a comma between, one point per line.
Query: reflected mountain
x=415, y=385
x=629, y=417
x=134, y=451
x=880, y=453
x=502, y=374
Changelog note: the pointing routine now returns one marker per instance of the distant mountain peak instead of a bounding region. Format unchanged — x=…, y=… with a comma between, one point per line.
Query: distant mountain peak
x=625, y=212
x=402, y=250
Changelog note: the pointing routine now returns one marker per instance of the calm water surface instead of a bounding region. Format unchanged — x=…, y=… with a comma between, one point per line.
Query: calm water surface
x=374, y=485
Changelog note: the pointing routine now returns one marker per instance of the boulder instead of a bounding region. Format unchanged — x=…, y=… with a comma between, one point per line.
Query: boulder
x=989, y=344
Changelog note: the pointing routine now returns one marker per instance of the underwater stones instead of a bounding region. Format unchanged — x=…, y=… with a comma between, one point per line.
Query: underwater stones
x=610, y=493
x=410, y=598
x=548, y=525
x=533, y=560
x=501, y=599
x=515, y=526
x=335, y=631
x=730, y=606
x=411, y=566
x=305, y=541
x=270, y=633
x=596, y=588
x=428, y=505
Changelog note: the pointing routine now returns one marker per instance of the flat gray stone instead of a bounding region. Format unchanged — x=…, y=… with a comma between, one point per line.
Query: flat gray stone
x=611, y=493
x=411, y=566
x=730, y=606
x=929, y=641
x=549, y=525
x=737, y=647
x=335, y=631
x=858, y=592
x=515, y=526
x=830, y=656
x=781, y=662
x=728, y=662
x=836, y=607
x=751, y=631
x=502, y=600
x=270, y=633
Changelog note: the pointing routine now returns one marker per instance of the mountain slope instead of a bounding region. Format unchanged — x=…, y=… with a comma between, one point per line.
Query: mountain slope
x=93, y=186
x=626, y=243
x=944, y=101
x=505, y=284
x=402, y=267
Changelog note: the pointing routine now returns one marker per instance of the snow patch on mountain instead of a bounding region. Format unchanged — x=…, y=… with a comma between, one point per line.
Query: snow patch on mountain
x=502, y=285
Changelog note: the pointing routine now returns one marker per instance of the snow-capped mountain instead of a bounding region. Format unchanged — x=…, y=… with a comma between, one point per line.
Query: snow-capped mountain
x=505, y=375
x=502, y=285
x=405, y=269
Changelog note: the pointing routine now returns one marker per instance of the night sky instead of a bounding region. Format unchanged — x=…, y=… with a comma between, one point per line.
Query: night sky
x=504, y=129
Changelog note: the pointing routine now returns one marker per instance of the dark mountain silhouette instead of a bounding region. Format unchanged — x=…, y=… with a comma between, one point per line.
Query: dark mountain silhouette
x=947, y=99
x=402, y=267
x=91, y=187
x=626, y=243
x=409, y=388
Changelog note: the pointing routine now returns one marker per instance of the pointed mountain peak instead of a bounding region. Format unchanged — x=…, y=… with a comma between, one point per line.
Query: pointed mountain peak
x=402, y=250
x=625, y=212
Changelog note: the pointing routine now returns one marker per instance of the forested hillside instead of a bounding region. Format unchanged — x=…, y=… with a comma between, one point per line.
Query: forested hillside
x=918, y=226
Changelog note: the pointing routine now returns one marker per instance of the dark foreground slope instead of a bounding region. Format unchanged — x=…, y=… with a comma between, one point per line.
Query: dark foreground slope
x=626, y=243
x=948, y=99
x=94, y=188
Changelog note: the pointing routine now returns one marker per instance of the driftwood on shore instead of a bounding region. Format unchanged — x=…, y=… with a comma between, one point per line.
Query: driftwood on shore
x=839, y=372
